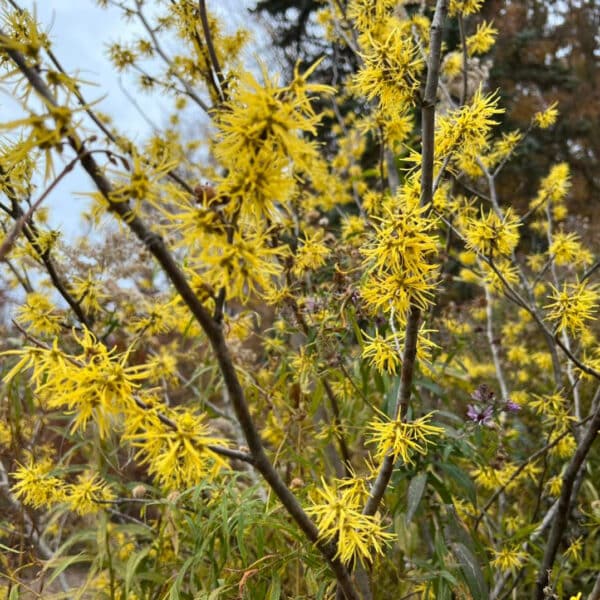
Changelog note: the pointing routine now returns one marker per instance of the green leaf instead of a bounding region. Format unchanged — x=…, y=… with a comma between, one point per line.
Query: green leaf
x=351, y=316
x=62, y=564
x=275, y=588
x=131, y=568
x=416, y=488
x=440, y=488
x=455, y=530
x=461, y=478
x=471, y=570
x=7, y=549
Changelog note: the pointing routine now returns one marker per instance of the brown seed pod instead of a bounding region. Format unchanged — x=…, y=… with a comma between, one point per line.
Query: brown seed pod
x=204, y=193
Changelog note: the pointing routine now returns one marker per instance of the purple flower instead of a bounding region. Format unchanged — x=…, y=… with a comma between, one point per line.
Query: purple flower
x=480, y=416
x=511, y=406
x=483, y=394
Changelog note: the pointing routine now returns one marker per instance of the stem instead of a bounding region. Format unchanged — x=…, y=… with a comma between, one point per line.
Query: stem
x=564, y=504
x=406, y=376
x=216, y=67
x=31, y=234
x=494, y=344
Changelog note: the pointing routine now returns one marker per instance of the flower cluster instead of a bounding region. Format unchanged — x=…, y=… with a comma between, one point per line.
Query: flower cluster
x=487, y=405
x=337, y=509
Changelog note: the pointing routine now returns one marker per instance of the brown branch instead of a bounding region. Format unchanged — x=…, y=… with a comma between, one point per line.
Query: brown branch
x=404, y=392
x=214, y=67
x=10, y=239
x=465, y=59
x=564, y=504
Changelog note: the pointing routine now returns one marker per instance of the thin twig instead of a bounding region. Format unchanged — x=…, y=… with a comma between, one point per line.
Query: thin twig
x=10, y=239
x=522, y=466
x=214, y=60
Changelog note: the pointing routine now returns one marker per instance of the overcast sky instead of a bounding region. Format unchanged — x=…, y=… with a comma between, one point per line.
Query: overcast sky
x=80, y=32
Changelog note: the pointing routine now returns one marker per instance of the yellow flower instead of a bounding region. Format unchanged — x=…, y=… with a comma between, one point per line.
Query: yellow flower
x=87, y=496
x=121, y=57
x=353, y=228
x=399, y=273
x=245, y=266
x=452, y=65
x=89, y=292
x=337, y=510
x=402, y=242
x=96, y=385
x=311, y=254
x=491, y=235
x=398, y=291
x=482, y=40
x=367, y=14
x=257, y=189
x=503, y=147
x=268, y=116
x=546, y=118
x=508, y=558
x=403, y=439
x=553, y=188
x=572, y=306
x=573, y=552
x=466, y=129
x=41, y=314
x=382, y=352
x=392, y=66
x=554, y=485
x=180, y=456
x=465, y=7
x=567, y=249
x=36, y=485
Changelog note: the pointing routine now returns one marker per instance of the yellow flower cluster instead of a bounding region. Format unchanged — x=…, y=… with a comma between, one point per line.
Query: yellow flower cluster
x=392, y=65
x=179, y=454
x=40, y=315
x=37, y=486
x=97, y=387
x=337, y=510
x=492, y=235
x=567, y=249
x=95, y=384
x=546, y=118
x=465, y=130
x=482, y=40
x=573, y=305
x=402, y=439
x=398, y=272
x=553, y=191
